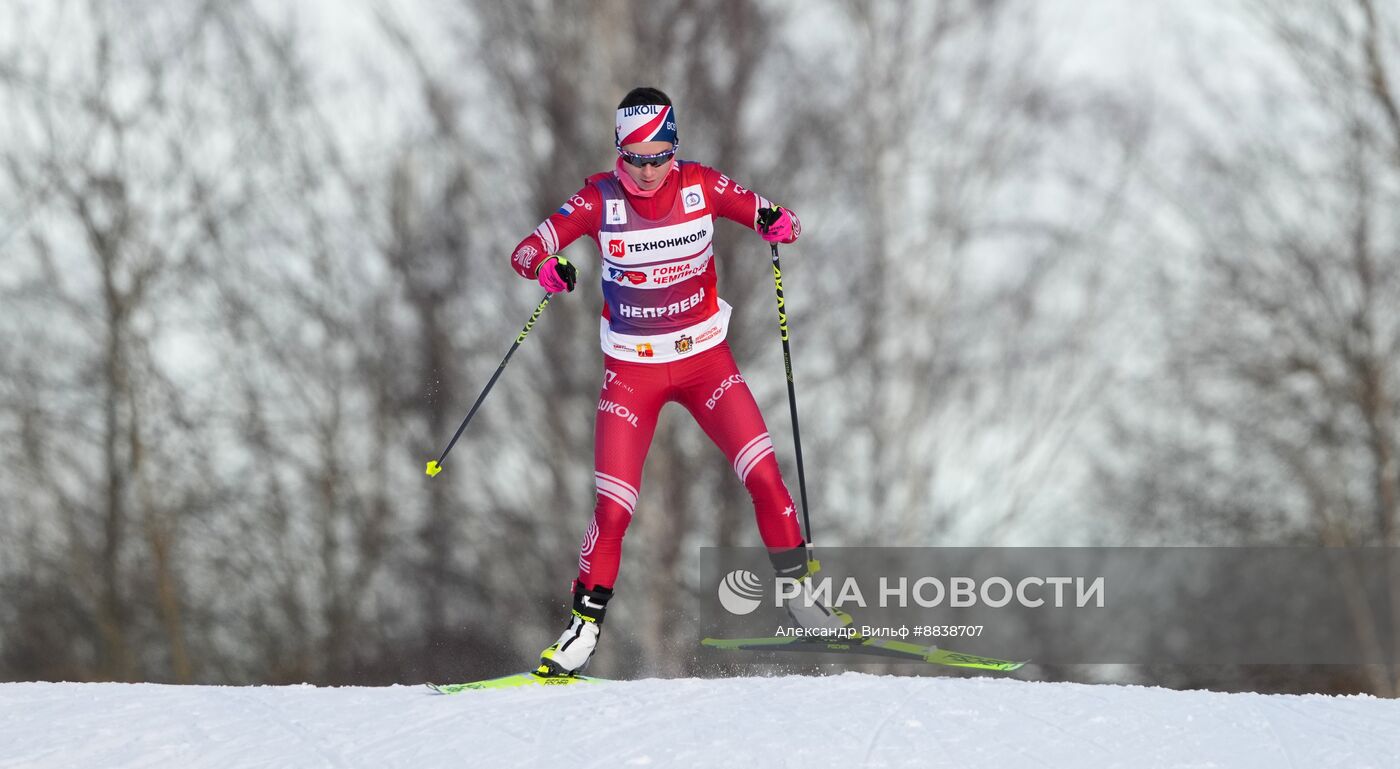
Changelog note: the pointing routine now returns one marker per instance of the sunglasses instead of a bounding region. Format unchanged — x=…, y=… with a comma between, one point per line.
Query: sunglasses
x=659, y=158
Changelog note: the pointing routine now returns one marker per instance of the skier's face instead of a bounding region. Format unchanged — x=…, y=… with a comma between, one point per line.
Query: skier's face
x=648, y=177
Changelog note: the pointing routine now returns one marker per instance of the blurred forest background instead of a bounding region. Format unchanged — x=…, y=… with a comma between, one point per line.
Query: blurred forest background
x=1071, y=274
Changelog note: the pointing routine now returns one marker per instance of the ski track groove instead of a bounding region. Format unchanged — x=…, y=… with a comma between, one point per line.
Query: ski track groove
x=654, y=715
x=1312, y=722
x=981, y=701
x=508, y=715
x=1288, y=702
x=333, y=760
x=933, y=733
x=30, y=760
x=1260, y=709
x=428, y=726
x=1105, y=750
x=197, y=727
x=870, y=742
x=1131, y=729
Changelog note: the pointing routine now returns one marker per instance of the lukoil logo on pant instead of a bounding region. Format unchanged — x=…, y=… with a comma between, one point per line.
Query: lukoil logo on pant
x=740, y=592
x=617, y=409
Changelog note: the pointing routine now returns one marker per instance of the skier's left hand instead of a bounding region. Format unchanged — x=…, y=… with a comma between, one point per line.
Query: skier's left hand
x=776, y=224
x=556, y=275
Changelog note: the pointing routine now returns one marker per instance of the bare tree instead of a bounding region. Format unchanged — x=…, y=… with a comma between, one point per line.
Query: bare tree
x=120, y=186
x=1278, y=316
x=963, y=354
x=160, y=153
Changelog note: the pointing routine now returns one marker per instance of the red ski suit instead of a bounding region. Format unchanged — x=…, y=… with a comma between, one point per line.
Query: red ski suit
x=662, y=331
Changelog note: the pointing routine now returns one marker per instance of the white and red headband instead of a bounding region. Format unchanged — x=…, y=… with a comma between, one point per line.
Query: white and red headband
x=646, y=123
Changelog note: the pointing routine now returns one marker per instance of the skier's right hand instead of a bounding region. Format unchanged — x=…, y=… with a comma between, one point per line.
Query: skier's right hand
x=556, y=275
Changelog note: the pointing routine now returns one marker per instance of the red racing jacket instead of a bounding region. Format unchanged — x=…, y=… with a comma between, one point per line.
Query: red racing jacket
x=657, y=269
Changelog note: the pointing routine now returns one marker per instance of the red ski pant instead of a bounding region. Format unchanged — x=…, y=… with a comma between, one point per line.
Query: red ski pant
x=710, y=387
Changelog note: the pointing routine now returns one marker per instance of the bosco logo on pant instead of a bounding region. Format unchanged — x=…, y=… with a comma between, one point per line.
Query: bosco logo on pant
x=723, y=388
x=700, y=382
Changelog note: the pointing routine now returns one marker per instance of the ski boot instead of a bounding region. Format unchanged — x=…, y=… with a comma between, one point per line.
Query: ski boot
x=568, y=655
x=804, y=608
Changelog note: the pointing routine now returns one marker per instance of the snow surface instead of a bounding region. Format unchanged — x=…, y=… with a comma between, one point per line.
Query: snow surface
x=850, y=720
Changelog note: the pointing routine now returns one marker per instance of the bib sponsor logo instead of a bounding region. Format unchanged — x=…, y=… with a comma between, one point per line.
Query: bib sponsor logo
x=684, y=345
x=707, y=335
x=627, y=276
x=722, y=389
x=645, y=350
x=692, y=198
x=618, y=410
x=674, y=308
x=675, y=273
x=617, y=248
x=617, y=212
x=653, y=245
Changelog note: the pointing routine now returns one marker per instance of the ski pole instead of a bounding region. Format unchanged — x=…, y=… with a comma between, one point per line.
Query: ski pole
x=792, y=397
x=435, y=467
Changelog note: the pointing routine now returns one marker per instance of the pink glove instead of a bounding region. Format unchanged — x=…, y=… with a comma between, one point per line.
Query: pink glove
x=556, y=275
x=776, y=224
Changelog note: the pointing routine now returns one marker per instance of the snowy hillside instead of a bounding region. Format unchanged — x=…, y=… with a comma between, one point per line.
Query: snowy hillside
x=850, y=720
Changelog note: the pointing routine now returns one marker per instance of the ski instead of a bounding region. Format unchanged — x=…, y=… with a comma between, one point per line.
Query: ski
x=881, y=647
x=515, y=681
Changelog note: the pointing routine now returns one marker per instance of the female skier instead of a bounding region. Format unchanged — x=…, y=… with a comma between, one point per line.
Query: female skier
x=663, y=335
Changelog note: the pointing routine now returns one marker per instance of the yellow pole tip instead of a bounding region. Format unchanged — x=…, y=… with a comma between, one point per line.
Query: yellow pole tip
x=434, y=468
